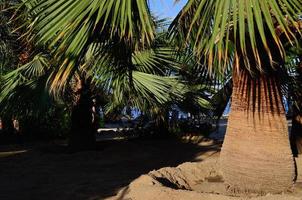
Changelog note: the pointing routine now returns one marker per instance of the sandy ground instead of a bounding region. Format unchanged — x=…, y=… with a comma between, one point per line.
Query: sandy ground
x=133, y=170
x=46, y=171
x=136, y=170
x=201, y=180
x=194, y=180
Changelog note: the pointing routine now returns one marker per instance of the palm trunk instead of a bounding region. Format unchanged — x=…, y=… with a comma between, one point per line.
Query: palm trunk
x=7, y=131
x=82, y=134
x=296, y=132
x=7, y=124
x=256, y=154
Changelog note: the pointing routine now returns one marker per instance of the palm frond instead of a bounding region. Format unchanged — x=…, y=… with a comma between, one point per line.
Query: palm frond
x=24, y=90
x=23, y=75
x=68, y=27
x=212, y=26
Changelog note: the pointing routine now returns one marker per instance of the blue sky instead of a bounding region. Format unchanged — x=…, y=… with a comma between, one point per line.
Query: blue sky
x=166, y=8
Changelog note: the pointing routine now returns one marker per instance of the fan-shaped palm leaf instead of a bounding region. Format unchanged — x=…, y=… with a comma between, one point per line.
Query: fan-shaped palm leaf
x=212, y=26
x=24, y=89
x=69, y=27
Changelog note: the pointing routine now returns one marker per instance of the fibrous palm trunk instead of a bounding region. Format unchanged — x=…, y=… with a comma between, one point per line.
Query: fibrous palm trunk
x=82, y=134
x=256, y=154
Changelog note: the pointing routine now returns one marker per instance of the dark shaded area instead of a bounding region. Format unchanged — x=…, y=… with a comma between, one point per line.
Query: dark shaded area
x=167, y=183
x=48, y=171
x=296, y=132
x=220, y=131
x=215, y=179
x=82, y=133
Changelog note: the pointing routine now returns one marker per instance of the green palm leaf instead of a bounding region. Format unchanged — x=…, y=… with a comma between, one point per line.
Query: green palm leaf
x=22, y=75
x=24, y=89
x=212, y=25
x=68, y=27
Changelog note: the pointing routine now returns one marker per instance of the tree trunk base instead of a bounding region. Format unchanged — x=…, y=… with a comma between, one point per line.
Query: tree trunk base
x=82, y=133
x=255, y=155
x=296, y=133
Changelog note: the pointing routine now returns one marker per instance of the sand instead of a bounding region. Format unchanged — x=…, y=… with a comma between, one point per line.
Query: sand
x=48, y=172
x=136, y=170
x=194, y=180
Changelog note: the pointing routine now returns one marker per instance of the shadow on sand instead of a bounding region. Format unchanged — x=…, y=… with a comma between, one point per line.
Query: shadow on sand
x=48, y=172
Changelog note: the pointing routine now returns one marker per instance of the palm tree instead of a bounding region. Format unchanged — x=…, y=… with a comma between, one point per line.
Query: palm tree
x=12, y=51
x=296, y=131
x=295, y=69
x=256, y=154
x=108, y=44
x=70, y=28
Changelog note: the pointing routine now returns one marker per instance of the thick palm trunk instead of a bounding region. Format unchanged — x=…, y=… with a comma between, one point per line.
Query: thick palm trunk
x=256, y=154
x=82, y=134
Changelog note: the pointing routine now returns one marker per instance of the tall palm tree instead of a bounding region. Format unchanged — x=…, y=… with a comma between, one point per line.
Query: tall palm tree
x=256, y=154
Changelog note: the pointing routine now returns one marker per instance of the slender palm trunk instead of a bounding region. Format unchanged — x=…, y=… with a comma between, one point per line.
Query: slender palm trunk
x=82, y=134
x=224, y=99
x=296, y=132
x=7, y=124
x=7, y=132
x=256, y=154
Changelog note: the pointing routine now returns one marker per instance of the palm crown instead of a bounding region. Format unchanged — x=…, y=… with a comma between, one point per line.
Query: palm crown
x=215, y=27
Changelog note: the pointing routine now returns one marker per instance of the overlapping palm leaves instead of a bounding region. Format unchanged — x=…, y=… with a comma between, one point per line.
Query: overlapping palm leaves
x=148, y=70
x=69, y=27
x=199, y=86
x=293, y=63
x=130, y=67
x=8, y=44
x=23, y=90
x=114, y=42
x=223, y=32
x=214, y=26
x=22, y=80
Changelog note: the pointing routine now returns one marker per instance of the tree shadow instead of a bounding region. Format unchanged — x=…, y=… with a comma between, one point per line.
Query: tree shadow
x=50, y=172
